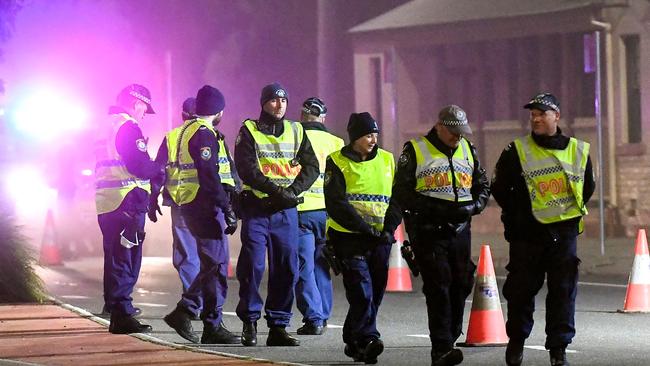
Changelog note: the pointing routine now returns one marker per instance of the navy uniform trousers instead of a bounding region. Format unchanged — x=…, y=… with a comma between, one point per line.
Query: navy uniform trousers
x=531, y=261
x=314, y=287
x=448, y=276
x=201, y=236
x=121, y=230
x=276, y=234
x=364, y=277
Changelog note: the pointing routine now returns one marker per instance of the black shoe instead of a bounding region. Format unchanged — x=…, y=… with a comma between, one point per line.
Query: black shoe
x=278, y=336
x=107, y=313
x=373, y=349
x=218, y=335
x=353, y=351
x=249, y=334
x=515, y=352
x=180, y=320
x=311, y=329
x=447, y=357
x=558, y=356
x=125, y=324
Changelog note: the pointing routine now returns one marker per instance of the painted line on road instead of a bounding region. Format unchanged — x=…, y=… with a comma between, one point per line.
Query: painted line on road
x=151, y=305
x=231, y=313
x=416, y=335
x=602, y=284
x=541, y=348
x=334, y=326
x=75, y=297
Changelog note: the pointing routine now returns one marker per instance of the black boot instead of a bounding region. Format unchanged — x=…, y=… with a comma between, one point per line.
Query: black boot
x=278, y=336
x=311, y=328
x=249, y=334
x=125, y=324
x=180, y=320
x=446, y=357
x=558, y=356
x=515, y=352
x=218, y=335
x=353, y=351
x=373, y=349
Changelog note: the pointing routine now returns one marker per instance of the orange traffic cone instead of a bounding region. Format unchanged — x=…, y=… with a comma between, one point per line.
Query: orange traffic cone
x=637, y=298
x=231, y=271
x=486, y=326
x=399, y=277
x=50, y=255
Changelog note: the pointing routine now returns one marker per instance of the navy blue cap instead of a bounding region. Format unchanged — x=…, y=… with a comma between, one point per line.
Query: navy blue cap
x=361, y=124
x=544, y=102
x=139, y=92
x=209, y=101
x=273, y=91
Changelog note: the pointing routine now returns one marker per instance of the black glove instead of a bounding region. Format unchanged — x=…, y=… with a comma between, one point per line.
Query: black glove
x=386, y=238
x=409, y=257
x=374, y=234
x=153, y=208
x=331, y=259
x=231, y=221
x=284, y=198
x=463, y=213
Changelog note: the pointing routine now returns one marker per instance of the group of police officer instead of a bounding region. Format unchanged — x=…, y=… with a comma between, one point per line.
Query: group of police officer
x=310, y=202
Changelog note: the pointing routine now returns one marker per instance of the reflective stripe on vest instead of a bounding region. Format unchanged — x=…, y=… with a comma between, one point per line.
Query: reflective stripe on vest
x=368, y=186
x=433, y=173
x=276, y=155
x=182, y=177
x=112, y=180
x=555, y=178
x=323, y=143
x=224, y=165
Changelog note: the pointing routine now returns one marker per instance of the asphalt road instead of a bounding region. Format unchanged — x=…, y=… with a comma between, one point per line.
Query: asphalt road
x=604, y=337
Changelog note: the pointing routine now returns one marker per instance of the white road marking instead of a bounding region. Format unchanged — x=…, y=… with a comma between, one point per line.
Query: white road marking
x=231, y=313
x=75, y=297
x=416, y=335
x=333, y=326
x=151, y=305
x=541, y=348
x=143, y=291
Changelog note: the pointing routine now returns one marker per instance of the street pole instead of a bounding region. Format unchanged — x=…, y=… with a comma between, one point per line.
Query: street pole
x=599, y=128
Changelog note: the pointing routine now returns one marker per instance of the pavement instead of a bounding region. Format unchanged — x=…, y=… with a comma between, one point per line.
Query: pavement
x=60, y=334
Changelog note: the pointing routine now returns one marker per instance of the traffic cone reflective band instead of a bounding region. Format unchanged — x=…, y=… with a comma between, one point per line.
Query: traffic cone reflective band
x=637, y=298
x=399, y=276
x=486, y=326
x=50, y=255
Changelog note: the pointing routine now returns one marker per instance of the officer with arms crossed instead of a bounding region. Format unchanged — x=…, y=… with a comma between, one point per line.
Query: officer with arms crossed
x=314, y=287
x=122, y=172
x=194, y=184
x=440, y=185
x=276, y=163
x=542, y=183
x=361, y=223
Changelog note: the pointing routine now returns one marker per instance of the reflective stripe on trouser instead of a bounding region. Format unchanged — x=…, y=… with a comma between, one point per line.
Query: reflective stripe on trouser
x=276, y=234
x=314, y=287
x=447, y=276
x=529, y=263
x=185, y=256
x=211, y=283
x=364, y=278
x=121, y=264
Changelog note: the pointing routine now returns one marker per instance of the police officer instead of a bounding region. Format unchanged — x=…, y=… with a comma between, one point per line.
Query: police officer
x=193, y=183
x=314, y=287
x=276, y=163
x=185, y=257
x=122, y=172
x=440, y=185
x=542, y=183
x=361, y=224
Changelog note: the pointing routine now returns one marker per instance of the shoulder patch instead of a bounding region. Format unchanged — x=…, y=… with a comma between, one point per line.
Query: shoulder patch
x=238, y=140
x=141, y=144
x=327, y=177
x=206, y=153
x=403, y=159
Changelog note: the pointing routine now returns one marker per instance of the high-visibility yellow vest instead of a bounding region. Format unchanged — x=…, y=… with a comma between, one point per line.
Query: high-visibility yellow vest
x=225, y=174
x=433, y=173
x=276, y=156
x=555, y=179
x=182, y=177
x=112, y=180
x=323, y=143
x=368, y=186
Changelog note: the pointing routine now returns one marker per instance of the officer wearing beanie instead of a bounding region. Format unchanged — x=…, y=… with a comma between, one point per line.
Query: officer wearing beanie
x=361, y=222
x=542, y=182
x=122, y=172
x=439, y=186
x=200, y=200
x=276, y=164
x=314, y=287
